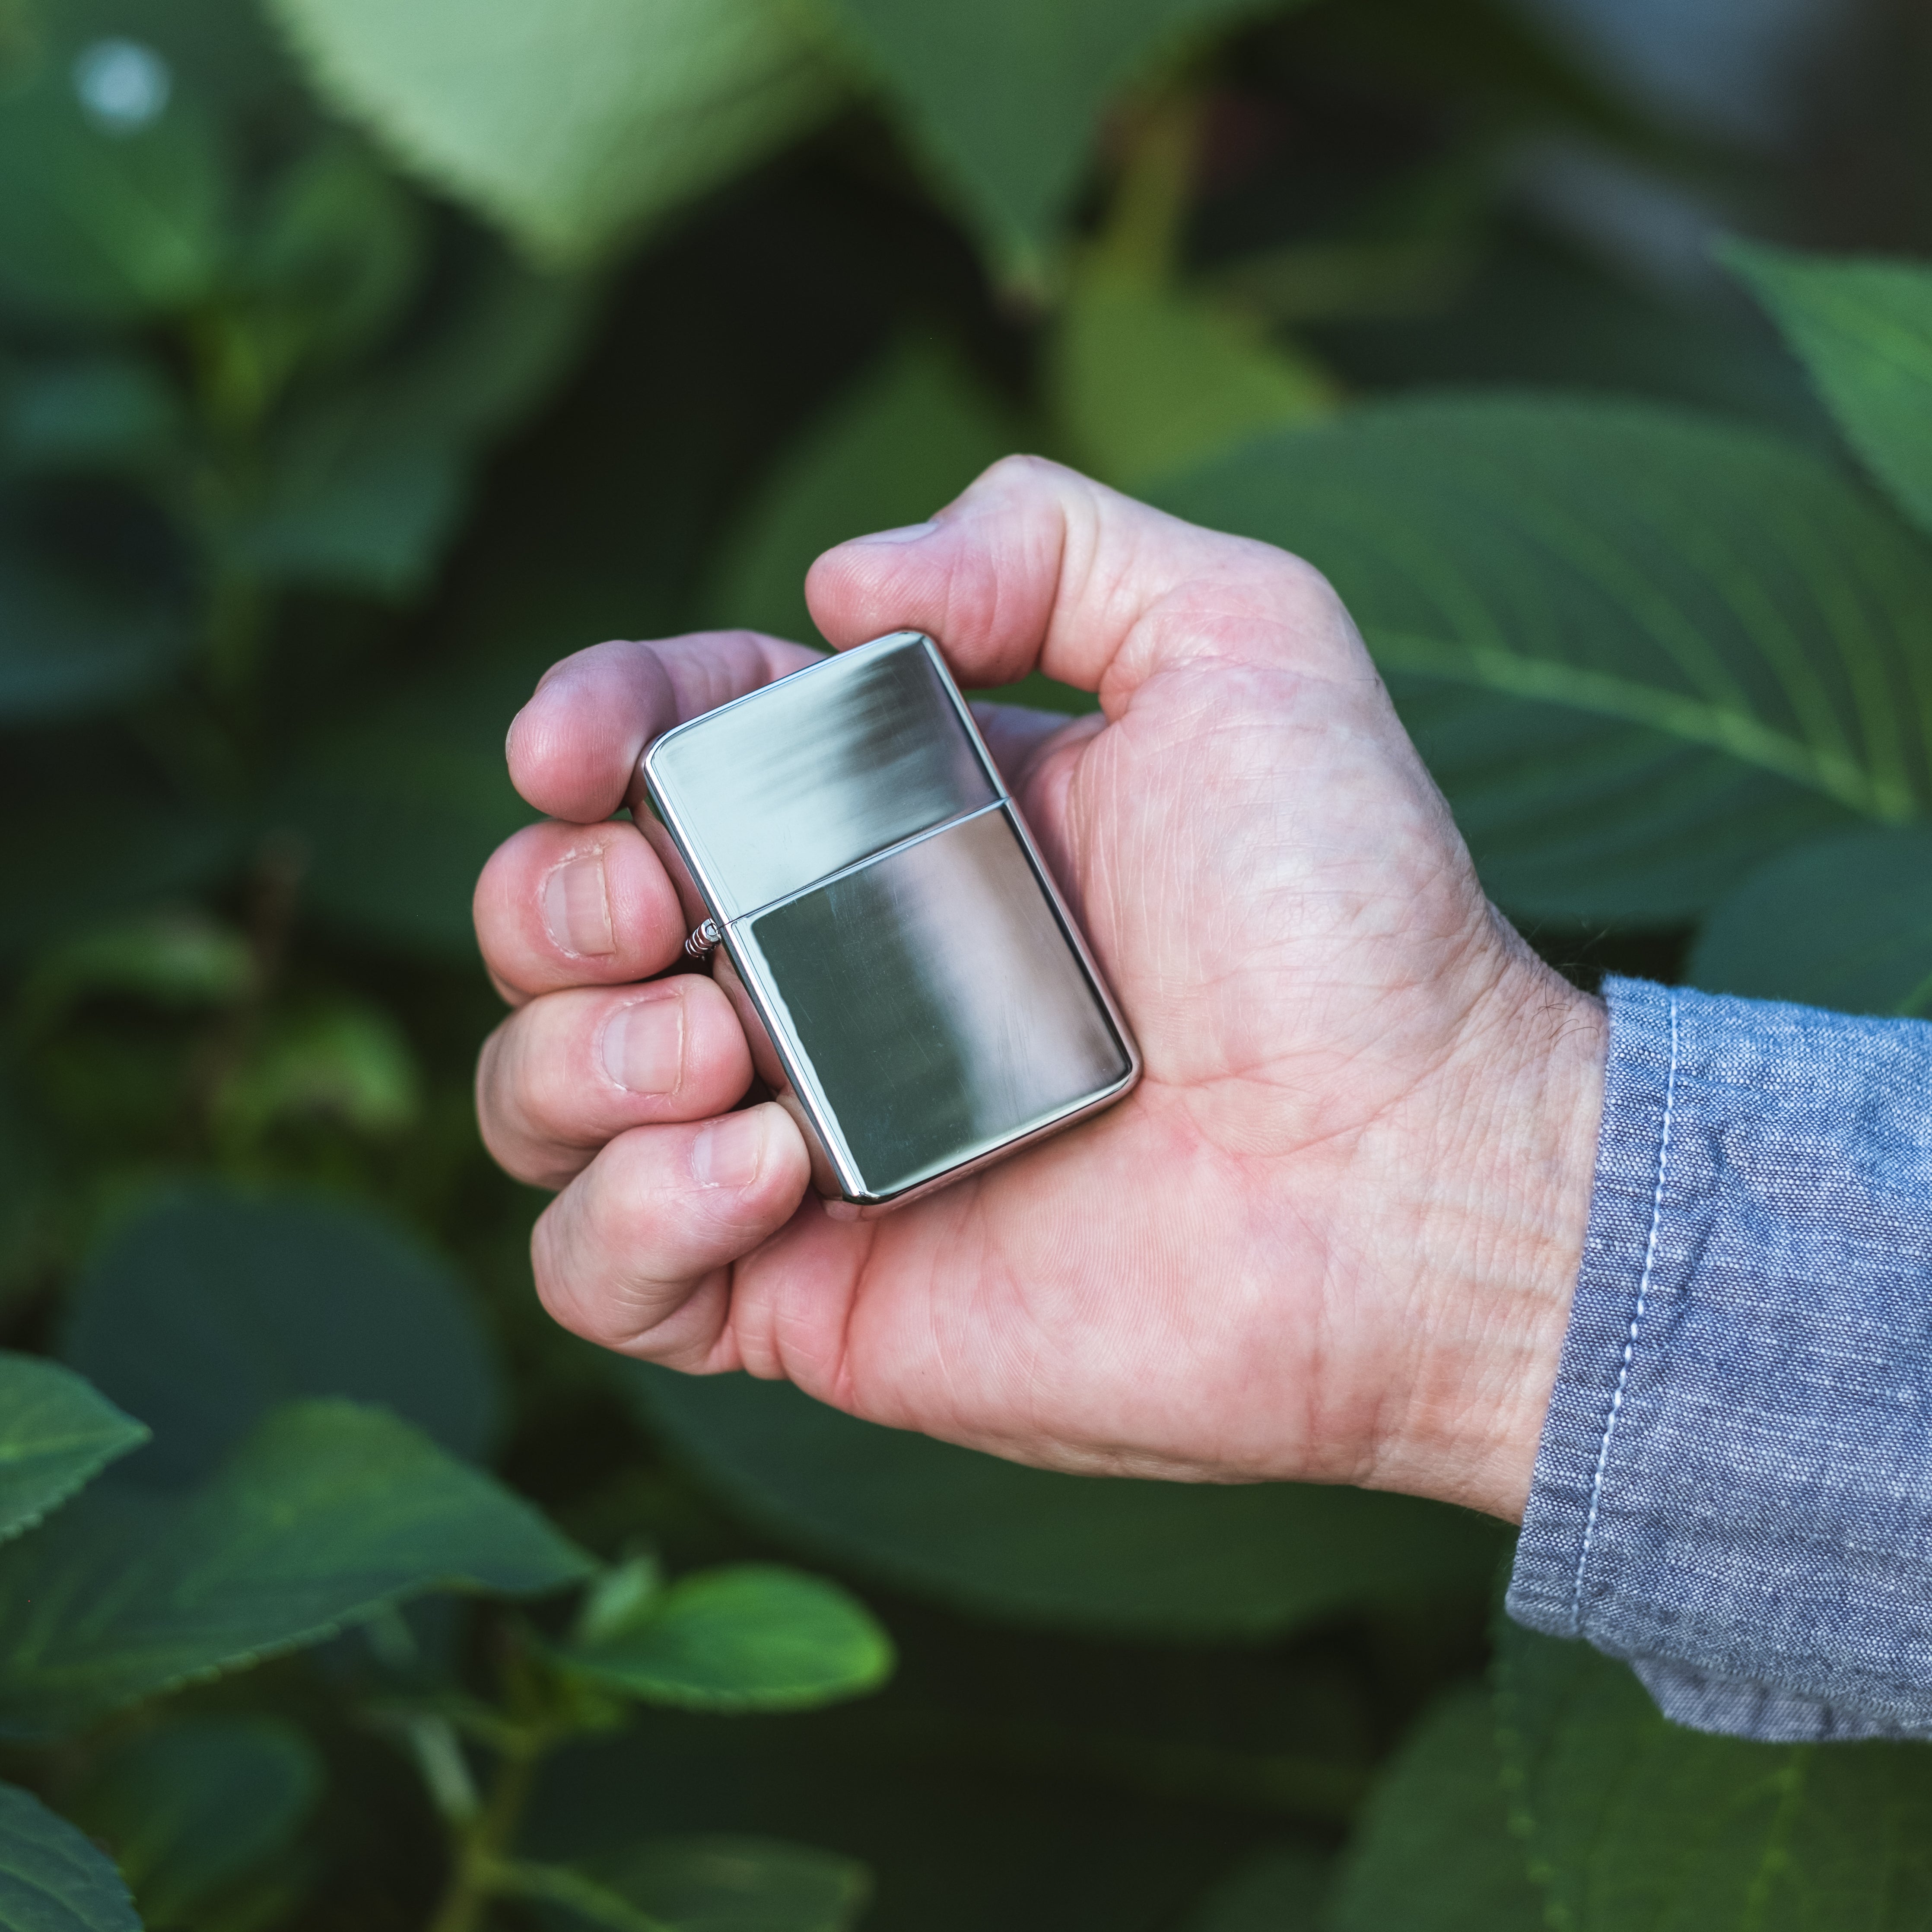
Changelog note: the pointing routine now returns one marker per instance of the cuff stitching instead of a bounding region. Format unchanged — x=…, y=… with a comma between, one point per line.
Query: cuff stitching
x=1630, y=1341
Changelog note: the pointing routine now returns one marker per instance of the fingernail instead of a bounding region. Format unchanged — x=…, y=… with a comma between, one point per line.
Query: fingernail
x=905, y=533
x=576, y=908
x=730, y=1152
x=643, y=1045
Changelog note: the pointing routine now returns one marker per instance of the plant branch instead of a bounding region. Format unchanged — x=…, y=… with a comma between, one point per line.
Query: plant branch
x=477, y=1873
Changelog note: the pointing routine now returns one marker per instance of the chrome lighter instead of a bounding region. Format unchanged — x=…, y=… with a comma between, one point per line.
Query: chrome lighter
x=917, y=995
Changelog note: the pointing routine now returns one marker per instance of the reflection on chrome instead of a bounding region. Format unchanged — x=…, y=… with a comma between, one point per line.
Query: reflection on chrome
x=914, y=991
x=935, y=997
x=818, y=771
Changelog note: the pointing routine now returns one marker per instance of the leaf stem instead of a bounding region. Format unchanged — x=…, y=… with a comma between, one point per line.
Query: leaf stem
x=481, y=1869
x=1695, y=720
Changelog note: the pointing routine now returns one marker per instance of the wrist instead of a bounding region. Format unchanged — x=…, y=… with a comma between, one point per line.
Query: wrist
x=1506, y=1151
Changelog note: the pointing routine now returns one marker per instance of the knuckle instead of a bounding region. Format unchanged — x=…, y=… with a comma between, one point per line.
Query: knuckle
x=543, y=1092
x=1294, y=577
x=559, y=1286
x=1023, y=469
x=633, y=1205
x=1311, y=583
x=490, y=903
x=604, y=1255
x=571, y=1289
x=526, y=1108
x=491, y=1109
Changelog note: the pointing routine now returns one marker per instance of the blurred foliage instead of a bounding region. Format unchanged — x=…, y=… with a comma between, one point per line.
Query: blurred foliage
x=1731, y=1833
x=1141, y=1558
x=355, y=362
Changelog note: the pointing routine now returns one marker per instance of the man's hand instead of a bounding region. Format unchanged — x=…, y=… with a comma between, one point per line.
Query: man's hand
x=1332, y=1234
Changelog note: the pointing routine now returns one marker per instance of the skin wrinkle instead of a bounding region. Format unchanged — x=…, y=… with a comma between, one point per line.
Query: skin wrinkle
x=940, y=1351
x=1326, y=1236
x=1567, y=1034
x=841, y=1380
x=981, y=1321
x=1121, y=1307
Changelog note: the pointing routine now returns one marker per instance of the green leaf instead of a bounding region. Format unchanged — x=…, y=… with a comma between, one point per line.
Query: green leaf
x=94, y=603
x=327, y=1513
x=341, y=251
x=1864, y=330
x=903, y=442
x=507, y=336
x=584, y=1900
x=100, y=412
x=56, y=882
x=398, y=808
x=1527, y=311
x=51, y=1878
x=572, y=124
x=182, y=961
x=618, y=1600
x=191, y=1810
x=1145, y=1559
x=56, y=1434
x=357, y=500
x=115, y=225
x=1570, y=818
x=1146, y=374
x=1845, y=923
x=716, y=1883
x=1279, y=1890
x=1633, y=1821
x=1433, y=1852
x=1007, y=96
x=211, y=1308
x=754, y=1636
x=367, y=481
x=1658, y=639
x=970, y=1819
x=337, y=1059
x=1148, y=380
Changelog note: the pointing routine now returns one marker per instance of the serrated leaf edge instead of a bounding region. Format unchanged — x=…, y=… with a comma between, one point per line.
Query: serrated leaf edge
x=248, y=1660
x=67, y=1492
x=99, y=1870
x=119, y=1435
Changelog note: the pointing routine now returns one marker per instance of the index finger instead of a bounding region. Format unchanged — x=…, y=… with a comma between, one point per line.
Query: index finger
x=574, y=748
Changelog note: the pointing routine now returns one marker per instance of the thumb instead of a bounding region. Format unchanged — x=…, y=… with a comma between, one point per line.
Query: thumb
x=1036, y=566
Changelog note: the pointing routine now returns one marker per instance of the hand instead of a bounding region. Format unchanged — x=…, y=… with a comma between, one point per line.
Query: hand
x=1330, y=1236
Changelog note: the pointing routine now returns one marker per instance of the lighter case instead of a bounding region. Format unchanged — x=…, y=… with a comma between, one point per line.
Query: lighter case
x=917, y=995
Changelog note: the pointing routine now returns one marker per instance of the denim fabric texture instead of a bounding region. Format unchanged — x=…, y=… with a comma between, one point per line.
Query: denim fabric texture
x=1734, y=1488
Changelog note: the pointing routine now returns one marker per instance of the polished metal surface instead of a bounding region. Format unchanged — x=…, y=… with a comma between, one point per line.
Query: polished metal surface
x=934, y=998
x=915, y=993
x=817, y=771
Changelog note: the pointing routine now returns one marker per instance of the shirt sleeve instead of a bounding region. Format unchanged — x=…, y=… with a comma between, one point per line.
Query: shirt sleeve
x=1734, y=1488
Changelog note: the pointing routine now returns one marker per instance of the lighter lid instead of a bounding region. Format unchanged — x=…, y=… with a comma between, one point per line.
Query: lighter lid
x=768, y=794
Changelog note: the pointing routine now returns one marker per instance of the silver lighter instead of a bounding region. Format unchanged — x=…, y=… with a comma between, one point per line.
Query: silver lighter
x=917, y=995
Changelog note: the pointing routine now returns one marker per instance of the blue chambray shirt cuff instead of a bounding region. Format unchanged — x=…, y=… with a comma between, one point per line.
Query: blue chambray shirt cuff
x=1734, y=1487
